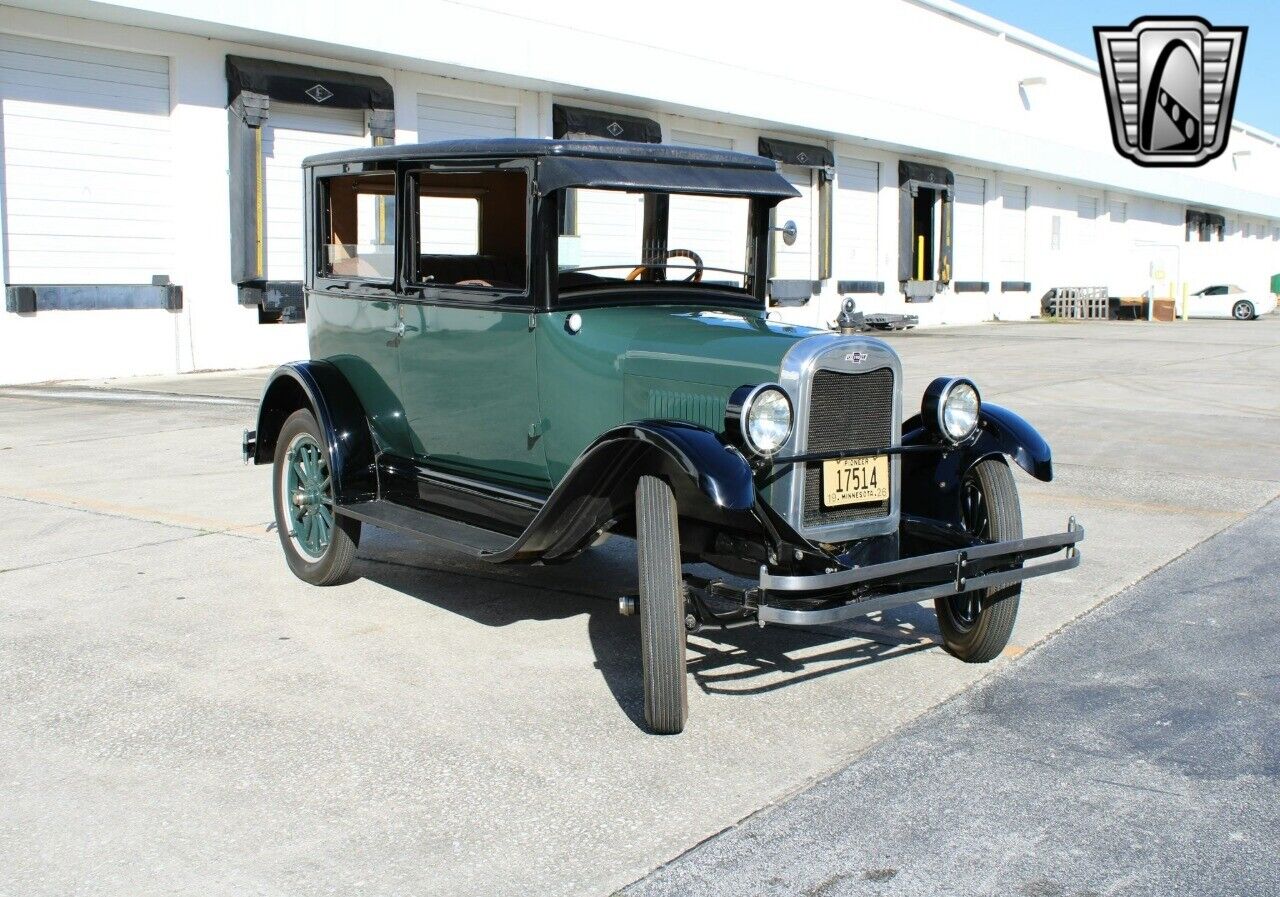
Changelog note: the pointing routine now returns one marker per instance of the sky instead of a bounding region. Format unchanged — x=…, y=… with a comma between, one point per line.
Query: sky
x=1070, y=24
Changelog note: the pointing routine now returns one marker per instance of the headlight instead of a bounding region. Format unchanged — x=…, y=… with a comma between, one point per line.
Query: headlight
x=759, y=417
x=950, y=408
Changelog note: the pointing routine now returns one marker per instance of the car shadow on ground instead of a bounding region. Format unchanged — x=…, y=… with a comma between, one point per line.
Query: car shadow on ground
x=742, y=661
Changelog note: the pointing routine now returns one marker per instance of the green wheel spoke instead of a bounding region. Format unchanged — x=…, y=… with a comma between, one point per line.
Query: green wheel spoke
x=307, y=491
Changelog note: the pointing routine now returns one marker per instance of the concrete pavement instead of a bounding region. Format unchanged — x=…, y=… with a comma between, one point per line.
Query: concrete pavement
x=179, y=714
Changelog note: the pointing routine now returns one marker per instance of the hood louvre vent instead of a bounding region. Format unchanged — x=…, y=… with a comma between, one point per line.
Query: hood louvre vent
x=696, y=408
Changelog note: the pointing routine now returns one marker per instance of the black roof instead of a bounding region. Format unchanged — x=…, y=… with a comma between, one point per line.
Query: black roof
x=513, y=147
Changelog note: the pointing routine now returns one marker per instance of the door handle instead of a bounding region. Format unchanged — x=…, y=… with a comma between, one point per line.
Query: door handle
x=398, y=328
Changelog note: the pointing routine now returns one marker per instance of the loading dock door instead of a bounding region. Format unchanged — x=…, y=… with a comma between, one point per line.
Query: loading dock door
x=1013, y=233
x=857, y=219
x=795, y=262
x=292, y=133
x=446, y=118
x=87, y=164
x=971, y=194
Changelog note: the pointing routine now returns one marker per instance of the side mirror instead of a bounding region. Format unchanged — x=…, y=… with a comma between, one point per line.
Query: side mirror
x=789, y=232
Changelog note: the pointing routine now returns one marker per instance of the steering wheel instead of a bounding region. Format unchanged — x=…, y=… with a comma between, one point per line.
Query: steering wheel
x=695, y=277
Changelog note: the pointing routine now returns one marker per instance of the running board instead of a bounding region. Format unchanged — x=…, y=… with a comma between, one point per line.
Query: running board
x=464, y=537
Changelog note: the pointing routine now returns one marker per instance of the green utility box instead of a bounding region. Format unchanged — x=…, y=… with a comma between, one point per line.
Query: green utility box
x=1275, y=284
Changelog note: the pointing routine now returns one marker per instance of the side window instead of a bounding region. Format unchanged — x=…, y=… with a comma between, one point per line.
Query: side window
x=472, y=231
x=358, y=230
x=450, y=225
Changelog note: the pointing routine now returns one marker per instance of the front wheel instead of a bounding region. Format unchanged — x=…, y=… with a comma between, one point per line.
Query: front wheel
x=1243, y=310
x=662, y=632
x=976, y=625
x=319, y=545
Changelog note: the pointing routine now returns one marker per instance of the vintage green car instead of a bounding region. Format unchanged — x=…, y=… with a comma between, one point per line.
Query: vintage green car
x=518, y=346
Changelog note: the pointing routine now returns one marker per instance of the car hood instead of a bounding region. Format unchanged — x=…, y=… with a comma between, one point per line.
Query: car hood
x=721, y=348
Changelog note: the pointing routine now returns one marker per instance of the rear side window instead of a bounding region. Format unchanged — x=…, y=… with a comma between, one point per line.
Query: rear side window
x=358, y=227
x=450, y=225
x=471, y=229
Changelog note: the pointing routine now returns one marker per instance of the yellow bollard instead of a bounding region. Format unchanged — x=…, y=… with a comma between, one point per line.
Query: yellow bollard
x=920, y=258
x=1186, y=300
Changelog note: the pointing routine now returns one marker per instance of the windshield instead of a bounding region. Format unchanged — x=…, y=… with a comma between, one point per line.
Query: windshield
x=619, y=238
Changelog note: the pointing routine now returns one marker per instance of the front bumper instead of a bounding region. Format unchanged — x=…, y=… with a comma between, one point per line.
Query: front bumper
x=845, y=594
x=249, y=446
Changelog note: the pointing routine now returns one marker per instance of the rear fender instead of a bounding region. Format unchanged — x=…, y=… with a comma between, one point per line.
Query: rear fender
x=320, y=387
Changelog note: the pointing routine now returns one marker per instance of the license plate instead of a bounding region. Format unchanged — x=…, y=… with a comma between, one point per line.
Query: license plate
x=853, y=481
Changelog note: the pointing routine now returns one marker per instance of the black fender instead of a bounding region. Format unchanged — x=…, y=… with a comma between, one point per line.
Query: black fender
x=931, y=479
x=321, y=387
x=711, y=481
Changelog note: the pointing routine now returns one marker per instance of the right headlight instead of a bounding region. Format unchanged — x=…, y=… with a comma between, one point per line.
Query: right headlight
x=759, y=418
x=950, y=408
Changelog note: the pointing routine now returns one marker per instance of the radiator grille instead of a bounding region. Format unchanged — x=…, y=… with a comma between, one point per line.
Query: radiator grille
x=846, y=411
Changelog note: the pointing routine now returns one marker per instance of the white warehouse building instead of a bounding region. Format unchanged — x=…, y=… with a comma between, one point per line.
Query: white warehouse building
x=151, y=195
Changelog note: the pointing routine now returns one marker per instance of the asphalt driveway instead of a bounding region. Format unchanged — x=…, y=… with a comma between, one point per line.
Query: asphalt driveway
x=180, y=715
x=1137, y=753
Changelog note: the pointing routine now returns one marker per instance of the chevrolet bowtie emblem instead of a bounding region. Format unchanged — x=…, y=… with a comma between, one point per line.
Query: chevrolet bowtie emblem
x=1170, y=83
x=856, y=357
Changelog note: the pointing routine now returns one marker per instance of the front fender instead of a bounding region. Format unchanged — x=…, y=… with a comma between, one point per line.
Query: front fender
x=323, y=389
x=931, y=480
x=708, y=477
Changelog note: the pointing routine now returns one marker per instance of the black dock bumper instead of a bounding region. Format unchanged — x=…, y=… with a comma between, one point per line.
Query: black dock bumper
x=845, y=594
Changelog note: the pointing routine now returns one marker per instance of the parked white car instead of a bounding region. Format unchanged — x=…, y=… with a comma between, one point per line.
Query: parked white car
x=1226, y=300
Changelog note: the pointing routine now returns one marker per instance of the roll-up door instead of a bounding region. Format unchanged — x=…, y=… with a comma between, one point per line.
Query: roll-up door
x=87, y=164
x=689, y=138
x=1119, y=211
x=971, y=195
x=445, y=118
x=795, y=262
x=856, y=219
x=1086, y=224
x=292, y=133
x=1013, y=233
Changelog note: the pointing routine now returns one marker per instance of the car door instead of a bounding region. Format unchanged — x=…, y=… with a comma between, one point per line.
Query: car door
x=468, y=373
x=1208, y=302
x=353, y=313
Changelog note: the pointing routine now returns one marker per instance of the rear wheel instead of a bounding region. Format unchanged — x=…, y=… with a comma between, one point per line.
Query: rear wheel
x=662, y=632
x=319, y=545
x=976, y=625
x=1242, y=310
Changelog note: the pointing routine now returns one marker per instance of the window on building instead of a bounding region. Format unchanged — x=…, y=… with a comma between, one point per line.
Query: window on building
x=1055, y=232
x=358, y=230
x=1119, y=212
x=470, y=229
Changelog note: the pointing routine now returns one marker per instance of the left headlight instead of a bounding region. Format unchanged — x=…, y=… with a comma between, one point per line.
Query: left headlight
x=950, y=408
x=760, y=418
